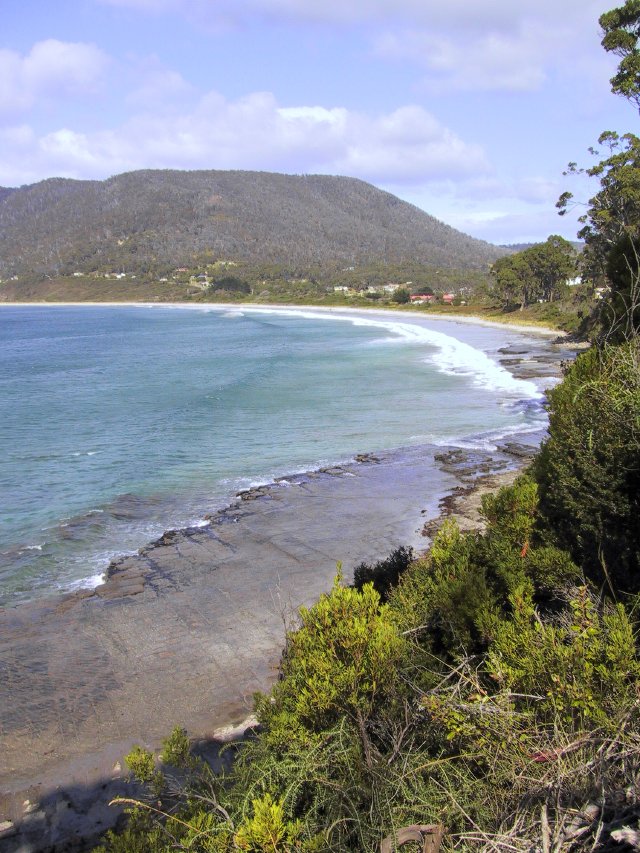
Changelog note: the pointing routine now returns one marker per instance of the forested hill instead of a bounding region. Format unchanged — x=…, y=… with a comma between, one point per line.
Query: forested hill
x=158, y=220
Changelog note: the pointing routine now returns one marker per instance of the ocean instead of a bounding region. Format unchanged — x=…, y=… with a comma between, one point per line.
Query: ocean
x=119, y=422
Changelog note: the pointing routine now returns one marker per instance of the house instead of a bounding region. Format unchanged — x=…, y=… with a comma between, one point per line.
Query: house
x=448, y=298
x=420, y=298
x=201, y=281
x=341, y=289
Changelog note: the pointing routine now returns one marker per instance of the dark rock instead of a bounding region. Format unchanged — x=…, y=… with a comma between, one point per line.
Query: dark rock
x=512, y=350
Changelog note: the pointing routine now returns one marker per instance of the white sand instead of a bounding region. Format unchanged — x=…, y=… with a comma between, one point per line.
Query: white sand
x=321, y=309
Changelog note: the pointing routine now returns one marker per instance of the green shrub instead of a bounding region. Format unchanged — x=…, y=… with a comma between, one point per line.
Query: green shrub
x=579, y=670
x=439, y=599
x=384, y=574
x=268, y=830
x=510, y=550
x=588, y=470
x=342, y=660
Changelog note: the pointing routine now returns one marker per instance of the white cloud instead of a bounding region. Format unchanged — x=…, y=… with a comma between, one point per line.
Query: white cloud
x=539, y=190
x=157, y=84
x=511, y=62
x=71, y=67
x=485, y=44
x=52, y=69
x=500, y=216
x=480, y=15
x=409, y=145
x=494, y=208
x=498, y=46
x=501, y=226
x=255, y=132
x=68, y=146
x=13, y=95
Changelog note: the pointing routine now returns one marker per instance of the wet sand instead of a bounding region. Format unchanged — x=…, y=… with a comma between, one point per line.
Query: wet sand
x=356, y=310
x=184, y=632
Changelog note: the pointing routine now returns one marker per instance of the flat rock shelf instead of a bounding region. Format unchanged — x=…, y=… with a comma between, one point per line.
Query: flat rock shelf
x=185, y=631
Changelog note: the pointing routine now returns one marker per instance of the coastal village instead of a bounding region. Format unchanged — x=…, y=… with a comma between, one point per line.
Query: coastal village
x=320, y=524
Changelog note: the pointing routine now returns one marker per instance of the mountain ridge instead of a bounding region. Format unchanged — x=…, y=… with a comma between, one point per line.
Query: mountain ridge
x=167, y=218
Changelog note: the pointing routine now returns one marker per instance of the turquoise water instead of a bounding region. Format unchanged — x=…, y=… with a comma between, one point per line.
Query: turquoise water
x=119, y=422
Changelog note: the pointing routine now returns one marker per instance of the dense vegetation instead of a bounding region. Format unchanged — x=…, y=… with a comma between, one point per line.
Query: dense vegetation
x=491, y=686
x=152, y=222
x=496, y=690
x=538, y=273
x=246, y=236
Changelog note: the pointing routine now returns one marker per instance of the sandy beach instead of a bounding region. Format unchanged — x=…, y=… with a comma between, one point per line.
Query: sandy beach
x=185, y=631
x=544, y=331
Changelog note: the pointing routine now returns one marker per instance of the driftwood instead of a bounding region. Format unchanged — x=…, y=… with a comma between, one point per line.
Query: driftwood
x=429, y=835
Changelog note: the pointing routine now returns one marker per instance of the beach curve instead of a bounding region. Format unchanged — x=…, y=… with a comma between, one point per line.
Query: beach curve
x=161, y=643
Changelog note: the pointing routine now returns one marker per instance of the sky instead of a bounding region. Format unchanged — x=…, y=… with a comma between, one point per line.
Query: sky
x=469, y=109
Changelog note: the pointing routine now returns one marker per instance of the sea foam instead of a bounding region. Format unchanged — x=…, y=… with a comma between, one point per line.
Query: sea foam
x=451, y=356
x=274, y=413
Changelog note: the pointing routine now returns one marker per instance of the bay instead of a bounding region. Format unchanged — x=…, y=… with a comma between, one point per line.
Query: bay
x=117, y=423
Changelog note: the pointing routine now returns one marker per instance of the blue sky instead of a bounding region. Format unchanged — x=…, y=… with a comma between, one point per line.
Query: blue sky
x=470, y=109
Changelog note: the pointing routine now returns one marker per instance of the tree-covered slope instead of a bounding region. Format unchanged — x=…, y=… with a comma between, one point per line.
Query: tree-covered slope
x=161, y=219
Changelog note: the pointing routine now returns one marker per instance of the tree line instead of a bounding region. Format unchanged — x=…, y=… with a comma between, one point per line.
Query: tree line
x=538, y=273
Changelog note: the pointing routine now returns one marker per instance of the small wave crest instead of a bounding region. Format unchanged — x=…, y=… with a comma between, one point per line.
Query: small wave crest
x=451, y=355
x=84, y=583
x=489, y=441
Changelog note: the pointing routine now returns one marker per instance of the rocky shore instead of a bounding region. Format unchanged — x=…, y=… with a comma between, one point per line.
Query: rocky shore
x=185, y=631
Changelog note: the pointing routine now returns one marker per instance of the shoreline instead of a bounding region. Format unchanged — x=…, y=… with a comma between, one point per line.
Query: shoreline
x=75, y=765
x=398, y=321
x=331, y=309
x=184, y=631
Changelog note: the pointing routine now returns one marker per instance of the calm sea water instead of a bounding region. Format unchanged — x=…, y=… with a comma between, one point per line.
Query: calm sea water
x=119, y=422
